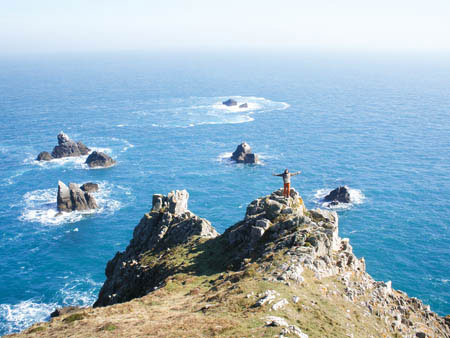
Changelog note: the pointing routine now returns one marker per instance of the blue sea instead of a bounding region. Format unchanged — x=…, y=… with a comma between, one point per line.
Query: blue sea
x=379, y=124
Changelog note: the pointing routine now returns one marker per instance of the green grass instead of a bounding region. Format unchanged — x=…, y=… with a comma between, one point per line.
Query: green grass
x=108, y=327
x=37, y=329
x=74, y=317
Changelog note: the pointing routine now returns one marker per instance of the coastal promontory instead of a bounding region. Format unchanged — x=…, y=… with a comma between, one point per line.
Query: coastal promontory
x=282, y=270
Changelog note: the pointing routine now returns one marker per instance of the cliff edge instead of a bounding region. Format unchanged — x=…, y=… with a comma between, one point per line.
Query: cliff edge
x=281, y=271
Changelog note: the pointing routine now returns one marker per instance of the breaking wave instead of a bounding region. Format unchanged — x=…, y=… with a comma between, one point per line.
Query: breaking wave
x=17, y=317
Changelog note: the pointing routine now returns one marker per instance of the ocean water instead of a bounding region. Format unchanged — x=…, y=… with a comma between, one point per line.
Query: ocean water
x=378, y=124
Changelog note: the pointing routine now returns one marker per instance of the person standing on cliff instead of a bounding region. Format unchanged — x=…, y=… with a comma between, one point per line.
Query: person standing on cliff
x=287, y=181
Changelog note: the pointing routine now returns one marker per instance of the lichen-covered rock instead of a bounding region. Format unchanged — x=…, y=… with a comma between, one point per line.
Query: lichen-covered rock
x=168, y=224
x=97, y=159
x=265, y=214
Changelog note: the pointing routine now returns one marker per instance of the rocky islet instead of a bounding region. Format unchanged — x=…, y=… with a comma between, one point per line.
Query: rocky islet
x=73, y=198
x=244, y=154
x=65, y=148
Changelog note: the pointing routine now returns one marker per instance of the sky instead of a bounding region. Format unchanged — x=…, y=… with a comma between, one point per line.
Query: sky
x=117, y=25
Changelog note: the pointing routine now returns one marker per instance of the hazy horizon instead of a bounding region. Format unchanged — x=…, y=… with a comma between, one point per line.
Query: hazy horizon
x=100, y=26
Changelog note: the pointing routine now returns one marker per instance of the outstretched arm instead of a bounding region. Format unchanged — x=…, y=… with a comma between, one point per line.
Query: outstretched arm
x=277, y=174
x=298, y=172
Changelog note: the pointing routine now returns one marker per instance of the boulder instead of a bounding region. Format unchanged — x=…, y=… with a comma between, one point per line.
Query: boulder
x=73, y=198
x=44, y=156
x=244, y=105
x=98, y=159
x=230, y=103
x=340, y=194
x=89, y=187
x=243, y=154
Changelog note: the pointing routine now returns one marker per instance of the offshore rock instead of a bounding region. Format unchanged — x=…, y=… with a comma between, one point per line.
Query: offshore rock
x=72, y=198
x=65, y=148
x=68, y=148
x=98, y=159
x=244, y=105
x=243, y=154
x=340, y=194
x=229, y=103
x=168, y=224
x=44, y=156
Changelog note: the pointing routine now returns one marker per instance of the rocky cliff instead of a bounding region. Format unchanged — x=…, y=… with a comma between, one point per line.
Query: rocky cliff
x=283, y=270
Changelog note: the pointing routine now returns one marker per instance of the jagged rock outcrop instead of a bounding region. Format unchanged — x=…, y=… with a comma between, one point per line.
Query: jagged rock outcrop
x=97, y=159
x=68, y=148
x=243, y=154
x=168, y=224
x=72, y=198
x=65, y=148
x=338, y=195
x=230, y=103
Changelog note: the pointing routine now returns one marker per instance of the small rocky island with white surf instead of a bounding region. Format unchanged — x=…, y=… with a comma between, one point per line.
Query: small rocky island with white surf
x=234, y=103
x=68, y=148
x=244, y=154
x=65, y=148
x=283, y=270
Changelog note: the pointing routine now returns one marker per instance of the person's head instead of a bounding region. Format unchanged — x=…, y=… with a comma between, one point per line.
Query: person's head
x=286, y=171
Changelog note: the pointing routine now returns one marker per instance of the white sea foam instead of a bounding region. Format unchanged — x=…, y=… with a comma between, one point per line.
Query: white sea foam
x=17, y=317
x=11, y=179
x=79, y=291
x=356, y=197
x=196, y=111
x=76, y=162
x=40, y=206
x=126, y=145
x=251, y=106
